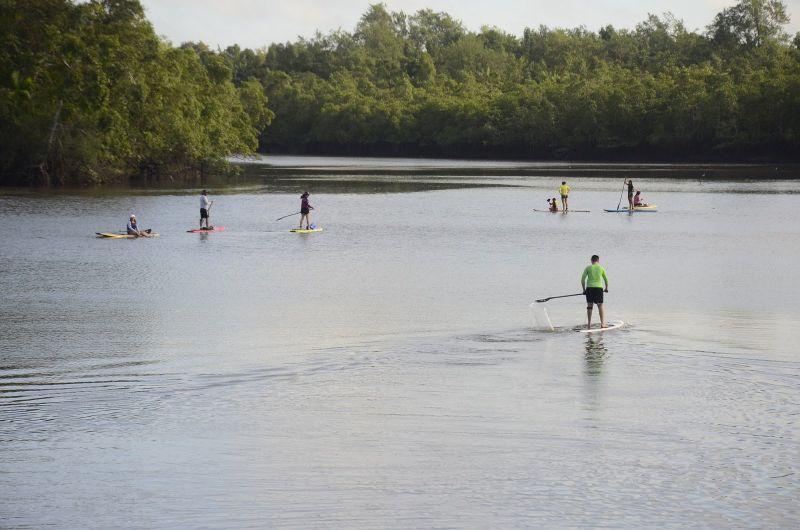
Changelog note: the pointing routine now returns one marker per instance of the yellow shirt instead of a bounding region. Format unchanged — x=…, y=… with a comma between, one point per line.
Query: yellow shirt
x=564, y=189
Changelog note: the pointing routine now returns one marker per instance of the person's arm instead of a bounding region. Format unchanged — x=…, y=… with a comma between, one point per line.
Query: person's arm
x=605, y=279
x=583, y=280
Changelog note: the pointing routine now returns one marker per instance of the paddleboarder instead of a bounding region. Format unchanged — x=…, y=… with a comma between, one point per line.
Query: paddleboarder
x=594, y=283
x=637, y=200
x=564, y=191
x=133, y=228
x=205, y=206
x=305, y=208
x=629, y=183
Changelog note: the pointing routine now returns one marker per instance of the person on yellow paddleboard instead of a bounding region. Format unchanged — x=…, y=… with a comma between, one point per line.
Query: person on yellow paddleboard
x=594, y=283
x=638, y=201
x=133, y=228
x=564, y=191
x=305, y=208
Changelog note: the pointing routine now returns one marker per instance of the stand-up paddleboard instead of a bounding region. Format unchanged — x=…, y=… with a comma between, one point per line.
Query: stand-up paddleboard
x=611, y=324
x=206, y=230
x=562, y=211
x=122, y=235
x=648, y=208
x=305, y=230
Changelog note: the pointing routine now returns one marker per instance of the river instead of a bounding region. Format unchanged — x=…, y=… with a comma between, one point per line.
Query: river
x=387, y=371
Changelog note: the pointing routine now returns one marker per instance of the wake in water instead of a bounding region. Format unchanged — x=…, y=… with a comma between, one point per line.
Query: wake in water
x=541, y=320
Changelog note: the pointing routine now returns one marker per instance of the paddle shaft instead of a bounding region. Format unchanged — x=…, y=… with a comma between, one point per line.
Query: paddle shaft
x=624, y=182
x=562, y=296
x=285, y=216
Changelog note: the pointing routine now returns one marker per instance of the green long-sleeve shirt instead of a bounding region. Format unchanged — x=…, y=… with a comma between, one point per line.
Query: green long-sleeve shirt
x=596, y=275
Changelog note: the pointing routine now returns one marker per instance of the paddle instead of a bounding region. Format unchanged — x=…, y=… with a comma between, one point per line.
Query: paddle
x=624, y=182
x=562, y=296
x=285, y=216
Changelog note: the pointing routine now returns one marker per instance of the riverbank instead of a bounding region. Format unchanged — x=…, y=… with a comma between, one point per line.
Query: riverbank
x=443, y=166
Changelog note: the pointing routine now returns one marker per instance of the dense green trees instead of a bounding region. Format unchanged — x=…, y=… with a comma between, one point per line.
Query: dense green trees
x=423, y=84
x=88, y=93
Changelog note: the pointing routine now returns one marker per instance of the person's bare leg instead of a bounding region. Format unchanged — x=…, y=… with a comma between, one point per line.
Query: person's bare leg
x=589, y=316
x=602, y=315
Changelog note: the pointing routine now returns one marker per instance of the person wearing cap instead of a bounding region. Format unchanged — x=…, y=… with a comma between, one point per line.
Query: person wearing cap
x=133, y=228
x=305, y=208
x=205, y=207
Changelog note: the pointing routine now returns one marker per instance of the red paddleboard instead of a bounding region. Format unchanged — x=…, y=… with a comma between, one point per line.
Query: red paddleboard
x=205, y=230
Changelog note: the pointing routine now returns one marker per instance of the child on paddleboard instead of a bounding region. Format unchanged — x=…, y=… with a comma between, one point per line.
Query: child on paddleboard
x=133, y=229
x=637, y=200
x=305, y=208
x=552, y=204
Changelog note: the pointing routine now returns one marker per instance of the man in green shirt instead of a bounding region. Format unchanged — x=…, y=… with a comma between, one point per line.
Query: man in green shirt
x=594, y=283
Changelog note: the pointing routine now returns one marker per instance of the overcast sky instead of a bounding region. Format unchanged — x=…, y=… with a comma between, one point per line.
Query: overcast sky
x=258, y=23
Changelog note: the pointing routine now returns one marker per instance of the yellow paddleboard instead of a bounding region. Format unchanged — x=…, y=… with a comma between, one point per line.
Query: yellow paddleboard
x=112, y=235
x=305, y=230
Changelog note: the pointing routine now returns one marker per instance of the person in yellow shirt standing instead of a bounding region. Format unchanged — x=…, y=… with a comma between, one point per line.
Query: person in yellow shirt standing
x=594, y=283
x=564, y=190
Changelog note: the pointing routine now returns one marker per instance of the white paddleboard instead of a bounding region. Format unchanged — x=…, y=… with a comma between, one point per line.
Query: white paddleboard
x=611, y=324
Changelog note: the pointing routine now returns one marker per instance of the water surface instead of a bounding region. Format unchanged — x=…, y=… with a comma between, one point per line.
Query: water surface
x=386, y=372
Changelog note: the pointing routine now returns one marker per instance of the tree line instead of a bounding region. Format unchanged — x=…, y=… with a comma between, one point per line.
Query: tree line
x=423, y=84
x=89, y=93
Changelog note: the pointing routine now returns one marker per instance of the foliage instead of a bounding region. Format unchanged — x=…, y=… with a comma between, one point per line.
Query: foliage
x=422, y=83
x=88, y=93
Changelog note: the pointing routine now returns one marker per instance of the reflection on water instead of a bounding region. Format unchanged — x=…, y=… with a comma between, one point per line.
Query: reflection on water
x=386, y=372
x=595, y=354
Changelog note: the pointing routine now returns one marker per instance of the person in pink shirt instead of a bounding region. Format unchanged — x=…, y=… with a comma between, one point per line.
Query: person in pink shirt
x=305, y=208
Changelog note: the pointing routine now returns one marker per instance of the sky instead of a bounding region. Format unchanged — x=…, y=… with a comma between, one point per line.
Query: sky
x=259, y=23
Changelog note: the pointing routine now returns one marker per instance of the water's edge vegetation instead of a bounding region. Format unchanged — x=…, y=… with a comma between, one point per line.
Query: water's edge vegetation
x=90, y=94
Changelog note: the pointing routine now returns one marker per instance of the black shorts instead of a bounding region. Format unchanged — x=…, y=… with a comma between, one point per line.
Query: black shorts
x=594, y=295
x=303, y=211
x=203, y=213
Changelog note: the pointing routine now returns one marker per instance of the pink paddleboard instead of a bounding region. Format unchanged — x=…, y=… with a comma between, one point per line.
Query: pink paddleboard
x=203, y=230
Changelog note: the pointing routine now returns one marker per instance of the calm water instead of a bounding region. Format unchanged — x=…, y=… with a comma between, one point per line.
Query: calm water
x=386, y=372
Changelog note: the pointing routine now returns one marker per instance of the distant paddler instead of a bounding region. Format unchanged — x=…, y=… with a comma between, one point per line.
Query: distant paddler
x=638, y=201
x=205, y=208
x=564, y=191
x=133, y=228
x=629, y=183
x=305, y=208
x=594, y=283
